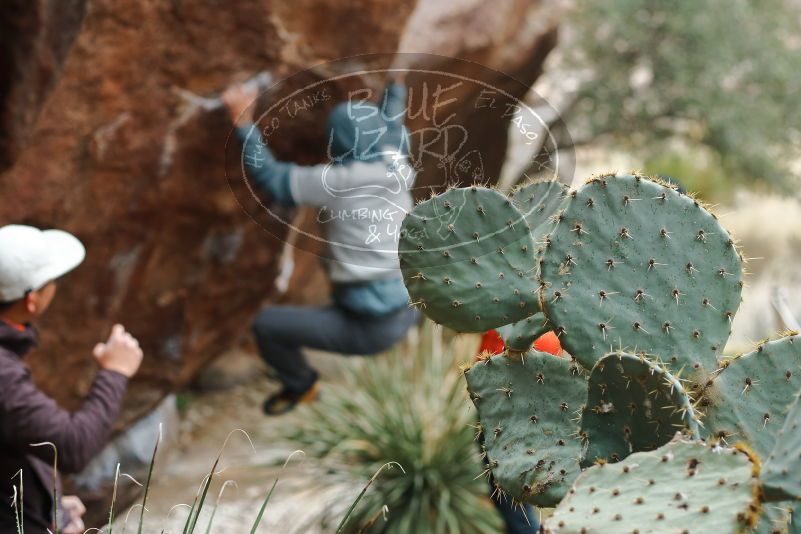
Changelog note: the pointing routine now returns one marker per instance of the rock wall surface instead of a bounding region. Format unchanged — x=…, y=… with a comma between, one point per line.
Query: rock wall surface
x=101, y=134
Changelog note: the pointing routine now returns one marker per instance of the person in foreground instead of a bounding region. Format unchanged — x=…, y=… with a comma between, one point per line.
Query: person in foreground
x=362, y=195
x=32, y=425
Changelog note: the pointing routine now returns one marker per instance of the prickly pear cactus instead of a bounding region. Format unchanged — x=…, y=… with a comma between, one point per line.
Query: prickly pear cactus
x=537, y=202
x=781, y=475
x=633, y=405
x=680, y=487
x=521, y=335
x=776, y=518
x=634, y=265
x=466, y=258
x=747, y=400
x=527, y=408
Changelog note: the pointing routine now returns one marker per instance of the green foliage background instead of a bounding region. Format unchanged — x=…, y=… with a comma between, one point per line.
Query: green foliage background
x=725, y=74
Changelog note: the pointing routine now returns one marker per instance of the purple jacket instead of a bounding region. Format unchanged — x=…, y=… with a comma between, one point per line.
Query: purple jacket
x=29, y=416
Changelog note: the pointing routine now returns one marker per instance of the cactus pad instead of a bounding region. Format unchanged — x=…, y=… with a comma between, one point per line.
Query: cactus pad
x=747, y=400
x=775, y=518
x=633, y=405
x=680, y=487
x=632, y=264
x=521, y=335
x=466, y=258
x=527, y=409
x=781, y=475
x=537, y=201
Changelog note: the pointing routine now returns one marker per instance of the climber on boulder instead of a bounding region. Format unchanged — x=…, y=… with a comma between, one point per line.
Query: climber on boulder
x=362, y=195
x=32, y=425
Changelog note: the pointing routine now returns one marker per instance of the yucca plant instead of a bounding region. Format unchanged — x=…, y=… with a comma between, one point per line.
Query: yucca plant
x=407, y=406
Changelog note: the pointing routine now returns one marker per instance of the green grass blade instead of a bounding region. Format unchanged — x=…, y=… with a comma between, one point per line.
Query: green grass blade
x=211, y=519
x=263, y=506
x=344, y=521
x=217, y=504
x=147, y=483
x=191, y=513
x=130, y=511
x=113, y=498
x=372, y=521
x=197, y=505
x=270, y=494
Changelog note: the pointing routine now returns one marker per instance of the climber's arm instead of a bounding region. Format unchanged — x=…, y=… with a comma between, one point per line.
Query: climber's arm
x=264, y=171
x=260, y=166
x=289, y=184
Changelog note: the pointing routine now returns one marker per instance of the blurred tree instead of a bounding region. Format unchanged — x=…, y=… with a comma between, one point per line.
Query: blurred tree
x=725, y=74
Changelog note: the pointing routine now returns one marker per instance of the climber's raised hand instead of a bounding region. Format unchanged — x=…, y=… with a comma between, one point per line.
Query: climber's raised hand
x=240, y=100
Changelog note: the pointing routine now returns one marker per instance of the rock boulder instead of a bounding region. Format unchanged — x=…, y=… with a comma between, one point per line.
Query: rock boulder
x=101, y=134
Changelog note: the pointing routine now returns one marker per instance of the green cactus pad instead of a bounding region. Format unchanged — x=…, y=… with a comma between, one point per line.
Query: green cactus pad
x=527, y=406
x=781, y=474
x=775, y=518
x=634, y=265
x=521, y=335
x=537, y=202
x=680, y=487
x=467, y=260
x=633, y=405
x=747, y=400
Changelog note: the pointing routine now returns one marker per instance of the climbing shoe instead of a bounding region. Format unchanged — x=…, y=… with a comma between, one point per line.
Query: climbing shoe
x=284, y=401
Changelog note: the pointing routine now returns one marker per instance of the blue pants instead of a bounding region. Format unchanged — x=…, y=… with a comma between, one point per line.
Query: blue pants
x=281, y=331
x=518, y=520
x=514, y=517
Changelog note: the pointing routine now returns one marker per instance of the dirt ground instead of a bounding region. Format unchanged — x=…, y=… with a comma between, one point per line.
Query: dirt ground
x=303, y=496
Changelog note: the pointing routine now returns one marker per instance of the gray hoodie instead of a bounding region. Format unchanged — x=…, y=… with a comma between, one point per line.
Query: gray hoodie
x=362, y=195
